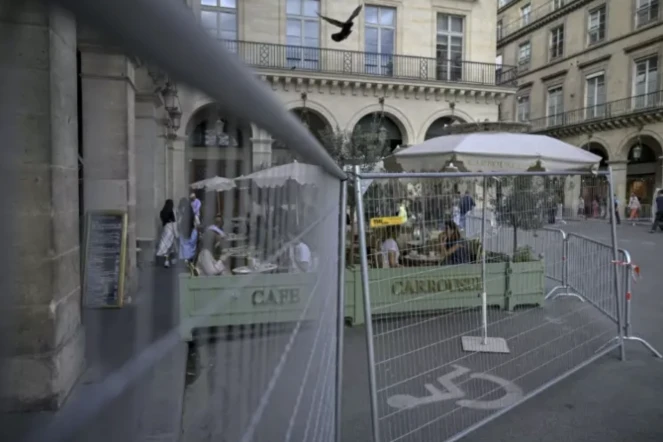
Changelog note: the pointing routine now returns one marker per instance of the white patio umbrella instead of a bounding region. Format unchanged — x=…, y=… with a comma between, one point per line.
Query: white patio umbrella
x=495, y=152
x=215, y=184
x=303, y=174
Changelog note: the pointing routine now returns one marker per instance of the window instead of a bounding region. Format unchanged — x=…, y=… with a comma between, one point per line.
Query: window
x=524, y=53
x=499, y=29
x=595, y=95
x=449, y=51
x=555, y=106
x=596, y=25
x=557, y=42
x=380, y=43
x=556, y=4
x=646, y=11
x=645, y=82
x=219, y=18
x=525, y=14
x=523, y=108
x=303, y=34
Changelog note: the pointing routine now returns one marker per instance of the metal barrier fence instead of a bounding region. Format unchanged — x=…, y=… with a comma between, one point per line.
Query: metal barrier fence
x=442, y=360
x=264, y=309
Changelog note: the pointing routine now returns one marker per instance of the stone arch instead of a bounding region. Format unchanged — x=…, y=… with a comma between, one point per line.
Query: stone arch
x=642, y=151
x=393, y=131
x=631, y=138
x=457, y=114
x=395, y=115
x=438, y=127
x=318, y=108
x=208, y=113
x=598, y=148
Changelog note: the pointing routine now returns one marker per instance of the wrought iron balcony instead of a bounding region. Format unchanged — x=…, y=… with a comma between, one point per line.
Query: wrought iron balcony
x=365, y=64
x=534, y=16
x=607, y=113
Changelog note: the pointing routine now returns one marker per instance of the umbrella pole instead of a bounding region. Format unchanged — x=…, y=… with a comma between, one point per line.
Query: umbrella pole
x=483, y=343
x=218, y=203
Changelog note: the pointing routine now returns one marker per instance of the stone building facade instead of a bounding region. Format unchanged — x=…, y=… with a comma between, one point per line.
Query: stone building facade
x=589, y=73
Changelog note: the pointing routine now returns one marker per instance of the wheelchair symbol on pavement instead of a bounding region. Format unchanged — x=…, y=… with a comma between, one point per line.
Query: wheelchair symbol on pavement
x=512, y=395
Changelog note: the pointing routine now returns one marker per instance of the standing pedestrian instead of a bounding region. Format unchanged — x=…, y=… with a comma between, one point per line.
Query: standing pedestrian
x=466, y=205
x=658, y=218
x=616, y=208
x=169, y=235
x=581, y=206
x=634, y=206
x=195, y=205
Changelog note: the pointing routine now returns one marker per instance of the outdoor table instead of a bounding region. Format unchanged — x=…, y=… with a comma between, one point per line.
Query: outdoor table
x=261, y=268
x=424, y=259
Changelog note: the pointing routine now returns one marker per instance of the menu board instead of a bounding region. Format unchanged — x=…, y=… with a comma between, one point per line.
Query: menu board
x=105, y=255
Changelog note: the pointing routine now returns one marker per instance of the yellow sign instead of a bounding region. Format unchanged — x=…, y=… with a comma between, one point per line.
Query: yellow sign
x=386, y=221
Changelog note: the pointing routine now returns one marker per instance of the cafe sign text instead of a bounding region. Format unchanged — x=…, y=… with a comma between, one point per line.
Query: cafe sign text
x=424, y=286
x=276, y=297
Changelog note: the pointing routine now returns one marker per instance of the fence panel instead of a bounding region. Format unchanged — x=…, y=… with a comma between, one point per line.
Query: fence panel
x=439, y=371
x=233, y=334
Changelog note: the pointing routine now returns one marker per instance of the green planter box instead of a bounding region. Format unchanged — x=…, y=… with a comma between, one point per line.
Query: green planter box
x=428, y=289
x=216, y=301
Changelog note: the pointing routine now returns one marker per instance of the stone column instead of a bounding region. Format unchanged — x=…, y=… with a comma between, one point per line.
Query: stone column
x=109, y=154
x=619, y=182
x=261, y=150
x=148, y=144
x=43, y=354
x=177, y=170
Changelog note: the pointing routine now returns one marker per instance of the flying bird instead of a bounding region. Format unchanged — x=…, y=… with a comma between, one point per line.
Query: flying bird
x=346, y=27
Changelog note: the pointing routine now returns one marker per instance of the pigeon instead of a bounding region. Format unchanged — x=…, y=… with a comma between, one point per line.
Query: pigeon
x=346, y=27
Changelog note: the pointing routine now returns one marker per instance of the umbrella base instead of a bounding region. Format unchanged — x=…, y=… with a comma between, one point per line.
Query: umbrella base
x=485, y=345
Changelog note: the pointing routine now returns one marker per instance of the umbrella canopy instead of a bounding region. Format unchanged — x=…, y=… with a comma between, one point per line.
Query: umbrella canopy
x=214, y=184
x=495, y=152
x=303, y=174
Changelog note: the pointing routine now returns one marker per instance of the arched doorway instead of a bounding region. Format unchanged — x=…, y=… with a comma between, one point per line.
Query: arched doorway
x=381, y=129
x=594, y=189
x=438, y=127
x=316, y=124
x=216, y=146
x=643, y=170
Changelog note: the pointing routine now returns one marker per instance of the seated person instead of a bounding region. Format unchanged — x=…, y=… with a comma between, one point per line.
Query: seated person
x=206, y=264
x=217, y=227
x=389, y=248
x=453, y=247
x=299, y=254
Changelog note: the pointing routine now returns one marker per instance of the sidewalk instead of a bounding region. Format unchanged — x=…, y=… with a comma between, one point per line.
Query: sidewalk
x=151, y=407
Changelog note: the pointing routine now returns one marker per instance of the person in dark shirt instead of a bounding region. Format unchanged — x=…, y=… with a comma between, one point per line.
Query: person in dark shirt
x=658, y=218
x=455, y=249
x=466, y=205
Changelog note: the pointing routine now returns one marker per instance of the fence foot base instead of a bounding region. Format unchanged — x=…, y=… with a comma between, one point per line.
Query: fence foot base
x=554, y=293
x=485, y=345
x=650, y=347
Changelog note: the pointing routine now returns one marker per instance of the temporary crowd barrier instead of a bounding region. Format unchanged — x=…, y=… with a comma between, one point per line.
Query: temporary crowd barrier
x=443, y=360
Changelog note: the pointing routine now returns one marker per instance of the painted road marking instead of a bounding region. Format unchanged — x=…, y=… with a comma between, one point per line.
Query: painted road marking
x=451, y=391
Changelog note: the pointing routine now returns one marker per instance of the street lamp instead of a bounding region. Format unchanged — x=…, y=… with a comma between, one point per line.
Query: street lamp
x=170, y=97
x=382, y=135
x=175, y=119
x=637, y=152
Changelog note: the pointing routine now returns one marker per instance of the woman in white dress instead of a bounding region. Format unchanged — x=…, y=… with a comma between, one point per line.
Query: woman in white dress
x=169, y=233
x=299, y=254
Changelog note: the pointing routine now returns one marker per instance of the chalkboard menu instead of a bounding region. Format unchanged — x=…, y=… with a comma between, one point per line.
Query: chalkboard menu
x=105, y=256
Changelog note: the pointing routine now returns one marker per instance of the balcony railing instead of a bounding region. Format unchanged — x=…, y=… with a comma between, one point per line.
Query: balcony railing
x=365, y=64
x=600, y=112
x=534, y=16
